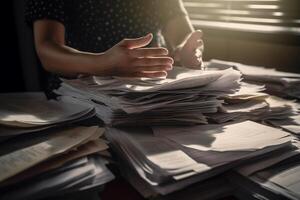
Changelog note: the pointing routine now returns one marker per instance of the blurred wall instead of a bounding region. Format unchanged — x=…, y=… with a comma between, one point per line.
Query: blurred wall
x=283, y=54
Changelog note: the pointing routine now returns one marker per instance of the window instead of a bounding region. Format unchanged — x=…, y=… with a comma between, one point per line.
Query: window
x=257, y=16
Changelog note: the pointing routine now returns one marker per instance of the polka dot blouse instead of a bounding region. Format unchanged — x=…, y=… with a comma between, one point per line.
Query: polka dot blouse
x=97, y=25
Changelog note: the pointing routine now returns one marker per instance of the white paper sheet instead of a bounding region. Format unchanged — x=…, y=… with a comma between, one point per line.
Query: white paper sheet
x=59, y=142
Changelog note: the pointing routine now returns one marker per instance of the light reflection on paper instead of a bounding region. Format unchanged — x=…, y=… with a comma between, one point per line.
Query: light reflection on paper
x=22, y=117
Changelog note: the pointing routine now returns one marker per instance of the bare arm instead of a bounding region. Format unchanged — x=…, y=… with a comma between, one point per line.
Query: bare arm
x=185, y=42
x=127, y=58
x=177, y=31
x=58, y=58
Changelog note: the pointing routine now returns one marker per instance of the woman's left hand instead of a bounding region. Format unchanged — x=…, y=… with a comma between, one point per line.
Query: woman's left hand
x=189, y=54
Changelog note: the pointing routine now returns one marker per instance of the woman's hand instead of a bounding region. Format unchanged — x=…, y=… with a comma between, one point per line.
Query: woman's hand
x=129, y=59
x=189, y=53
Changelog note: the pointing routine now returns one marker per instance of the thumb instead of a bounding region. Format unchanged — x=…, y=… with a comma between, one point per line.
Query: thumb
x=194, y=40
x=137, y=42
x=196, y=36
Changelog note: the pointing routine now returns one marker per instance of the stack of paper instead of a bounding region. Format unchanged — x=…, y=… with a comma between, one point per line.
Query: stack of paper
x=282, y=178
x=245, y=104
x=291, y=124
x=250, y=103
x=275, y=176
x=29, y=112
x=289, y=152
x=212, y=188
x=184, y=97
x=186, y=155
x=278, y=83
x=54, y=156
x=286, y=121
x=53, y=162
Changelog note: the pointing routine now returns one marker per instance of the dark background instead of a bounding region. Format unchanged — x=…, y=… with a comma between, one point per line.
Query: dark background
x=11, y=73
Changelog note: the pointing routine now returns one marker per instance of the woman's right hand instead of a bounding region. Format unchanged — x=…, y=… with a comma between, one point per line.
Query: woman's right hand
x=128, y=58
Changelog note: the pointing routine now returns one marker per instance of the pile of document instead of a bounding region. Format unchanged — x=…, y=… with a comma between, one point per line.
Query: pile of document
x=291, y=124
x=282, y=178
x=22, y=113
x=184, y=97
x=250, y=103
x=278, y=83
x=43, y=152
x=275, y=176
x=188, y=155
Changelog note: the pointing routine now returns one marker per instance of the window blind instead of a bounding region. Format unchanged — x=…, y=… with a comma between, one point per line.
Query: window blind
x=267, y=16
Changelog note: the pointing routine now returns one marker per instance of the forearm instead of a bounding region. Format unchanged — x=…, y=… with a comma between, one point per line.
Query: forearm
x=176, y=31
x=66, y=61
x=186, y=43
x=129, y=57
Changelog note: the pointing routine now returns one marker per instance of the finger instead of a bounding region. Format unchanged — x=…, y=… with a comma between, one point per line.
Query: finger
x=199, y=49
x=154, y=61
x=197, y=65
x=200, y=42
x=151, y=75
x=194, y=62
x=200, y=65
x=137, y=42
x=154, y=68
x=149, y=52
x=199, y=52
x=197, y=34
x=195, y=37
x=200, y=61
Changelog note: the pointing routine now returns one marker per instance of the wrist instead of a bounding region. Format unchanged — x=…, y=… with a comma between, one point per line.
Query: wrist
x=100, y=65
x=109, y=63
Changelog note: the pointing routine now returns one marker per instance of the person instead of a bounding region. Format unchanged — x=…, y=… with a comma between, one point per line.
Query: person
x=130, y=38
